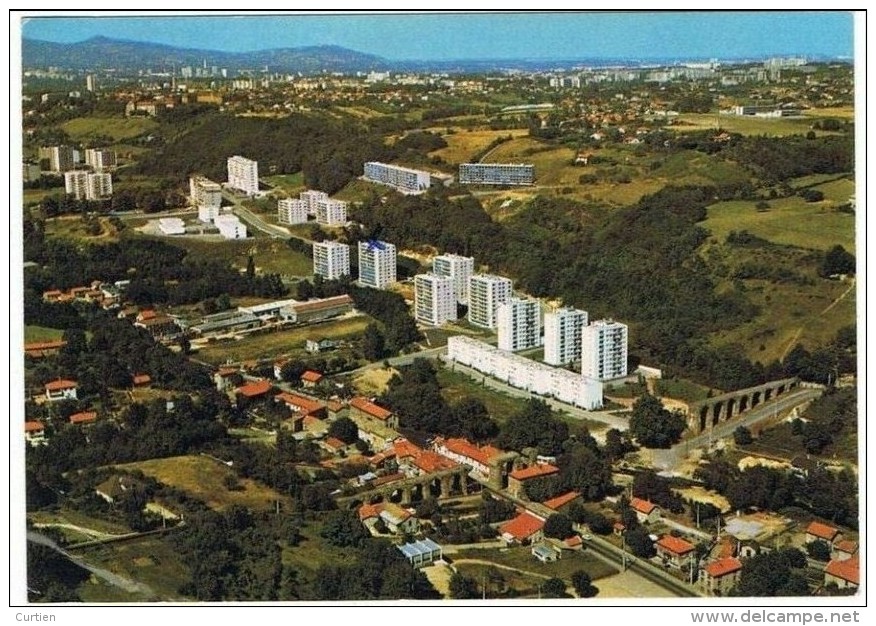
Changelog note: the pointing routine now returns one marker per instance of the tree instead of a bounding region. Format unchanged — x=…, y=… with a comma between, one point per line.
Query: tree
x=583, y=584
x=553, y=588
x=654, y=426
x=640, y=543
x=373, y=343
x=292, y=370
x=463, y=587
x=818, y=550
x=837, y=261
x=344, y=429
x=558, y=526
x=250, y=267
x=534, y=426
x=343, y=529
x=762, y=206
x=742, y=436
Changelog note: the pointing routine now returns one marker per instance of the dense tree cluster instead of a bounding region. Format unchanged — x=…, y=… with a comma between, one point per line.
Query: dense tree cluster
x=52, y=577
x=777, y=573
x=654, y=426
x=534, y=426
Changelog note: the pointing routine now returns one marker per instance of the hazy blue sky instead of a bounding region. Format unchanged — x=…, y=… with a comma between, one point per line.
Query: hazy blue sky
x=546, y=35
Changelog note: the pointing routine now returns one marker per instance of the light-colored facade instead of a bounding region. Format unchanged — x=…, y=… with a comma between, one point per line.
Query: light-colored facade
x=604, y=350
x=292, y=211
x=243, y=175
x=526, y=374
x=403, y=179
x=459, y=269
x=207, y=213
x=485, y=293
x=172, y=226
x=312, y=198
x=60, y=158
x=562, y=335
x=205, y=192
x=230, y=226
x=496, y=174
x=331, y=259
x=84, y=185
x=434, y=299
x=331, y=212
x=100, y=159
x=376, y=264
x=519, y=324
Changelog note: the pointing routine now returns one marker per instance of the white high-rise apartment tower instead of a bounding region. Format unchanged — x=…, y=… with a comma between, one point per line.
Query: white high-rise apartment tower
x=331, y=212
x=291, y=211
x=331, y=259
x=519, y=324
x=243, y=175
x=376, y=264
x=485, y=293
x=562, y=335
x=604, y=350
x=312, y=198
x=459, y=269
x=434, y=299
x=84, y=185
x=100, y=159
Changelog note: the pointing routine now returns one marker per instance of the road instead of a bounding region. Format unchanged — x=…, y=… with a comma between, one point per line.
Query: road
x=669, y=460
x=252, y=219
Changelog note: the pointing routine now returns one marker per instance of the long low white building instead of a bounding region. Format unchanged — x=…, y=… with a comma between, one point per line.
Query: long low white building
x=526, y=374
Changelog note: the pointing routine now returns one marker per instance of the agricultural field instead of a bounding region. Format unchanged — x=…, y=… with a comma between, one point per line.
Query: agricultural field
x=463, y=144
x=203, y=478
x=283, y=342
x=34, y=334
x=745, y=125
x=789, y=221
x=119, y=128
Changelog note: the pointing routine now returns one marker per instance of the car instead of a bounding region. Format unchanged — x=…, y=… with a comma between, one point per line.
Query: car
x=587, y=537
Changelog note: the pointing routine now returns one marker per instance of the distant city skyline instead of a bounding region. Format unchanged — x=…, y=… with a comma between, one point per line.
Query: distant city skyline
x=606, y=35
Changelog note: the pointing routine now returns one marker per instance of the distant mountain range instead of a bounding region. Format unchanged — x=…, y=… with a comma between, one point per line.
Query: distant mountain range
x=105, y=53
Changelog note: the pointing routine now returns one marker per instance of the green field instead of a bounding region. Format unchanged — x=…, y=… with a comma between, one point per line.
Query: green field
x=119, y=128
x=41, y=333
x=789, y=221
x=271, y=256
x=270, y=345
x=462, y=144
x=31, y=197
x=455, y=386
x=73, y=227
x=681, y=389
x=313, y=552
x=202, y=478
x=747, y=125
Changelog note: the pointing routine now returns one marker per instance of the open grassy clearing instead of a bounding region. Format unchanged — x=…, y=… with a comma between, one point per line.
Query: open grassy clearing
x=31, y=197
x=292, y=184
x=282, y=342
x=271, y=256
x=202, y=478
x=313, y=552
x=76, y=518
x=790, y=314
x=520, y=557
x=119, y=128
x=681, y=389
x=789, y=221
x=455, y=386
x=41, y=333
x=73, y=227
x=843, y=112
x=745, y=125
x=463, y=144
x=149, y=560
x=839, y=190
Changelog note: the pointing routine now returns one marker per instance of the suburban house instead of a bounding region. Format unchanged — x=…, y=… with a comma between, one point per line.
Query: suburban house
x=302, y=405
x=545, y=552
x=41, y=349
x=278, y=368
x=397, y=520
x=816, y=531
x=157, y=325
x=518, y=478
x=466, y=453
x=844, y=574
x=645, y=511
x=719, y=577
x=255, y=390
x=844, y=549
x=34, y=433
x=315, y=346
x=366, y=409
x=674, y=551
x=224, y=378
x=311, y=378
x=526, y=527
x=559, y=503
x=420, y=553
x=142, y=380
x=83, y=418
x=61, y=390
x=335, y=446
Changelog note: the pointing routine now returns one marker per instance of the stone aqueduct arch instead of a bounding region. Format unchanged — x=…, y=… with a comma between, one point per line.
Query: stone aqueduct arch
x=439, y=485
x=707, y=413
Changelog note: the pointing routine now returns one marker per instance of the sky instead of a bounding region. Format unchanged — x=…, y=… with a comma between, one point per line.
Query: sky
x=627, y=35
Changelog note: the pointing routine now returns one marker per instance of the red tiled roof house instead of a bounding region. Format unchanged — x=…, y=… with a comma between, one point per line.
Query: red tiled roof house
x=674, y=551
x=719, y=577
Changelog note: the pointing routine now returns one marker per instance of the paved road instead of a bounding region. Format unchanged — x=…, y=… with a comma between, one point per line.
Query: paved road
x=669, y=460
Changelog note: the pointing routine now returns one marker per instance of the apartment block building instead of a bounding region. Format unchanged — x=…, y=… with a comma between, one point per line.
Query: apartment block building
x=230, y=226
x=84, y=185
x=312, y=198
x=562, y=335
x=377, y=261
x=434, y=299
x=292, y=211
x=604, y=350
x=518, y=323
x=331, y=212
x=496, y=174
x=331, y=259
x=100, y=159
x=402, y=179
x=485, y=293
x=522, y=373
x=457, y=268
x=205, y=192
x=60, y=158
x=243, y=175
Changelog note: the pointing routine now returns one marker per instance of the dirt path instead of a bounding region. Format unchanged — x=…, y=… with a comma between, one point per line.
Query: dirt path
x=799, y=332
x=88, y=532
